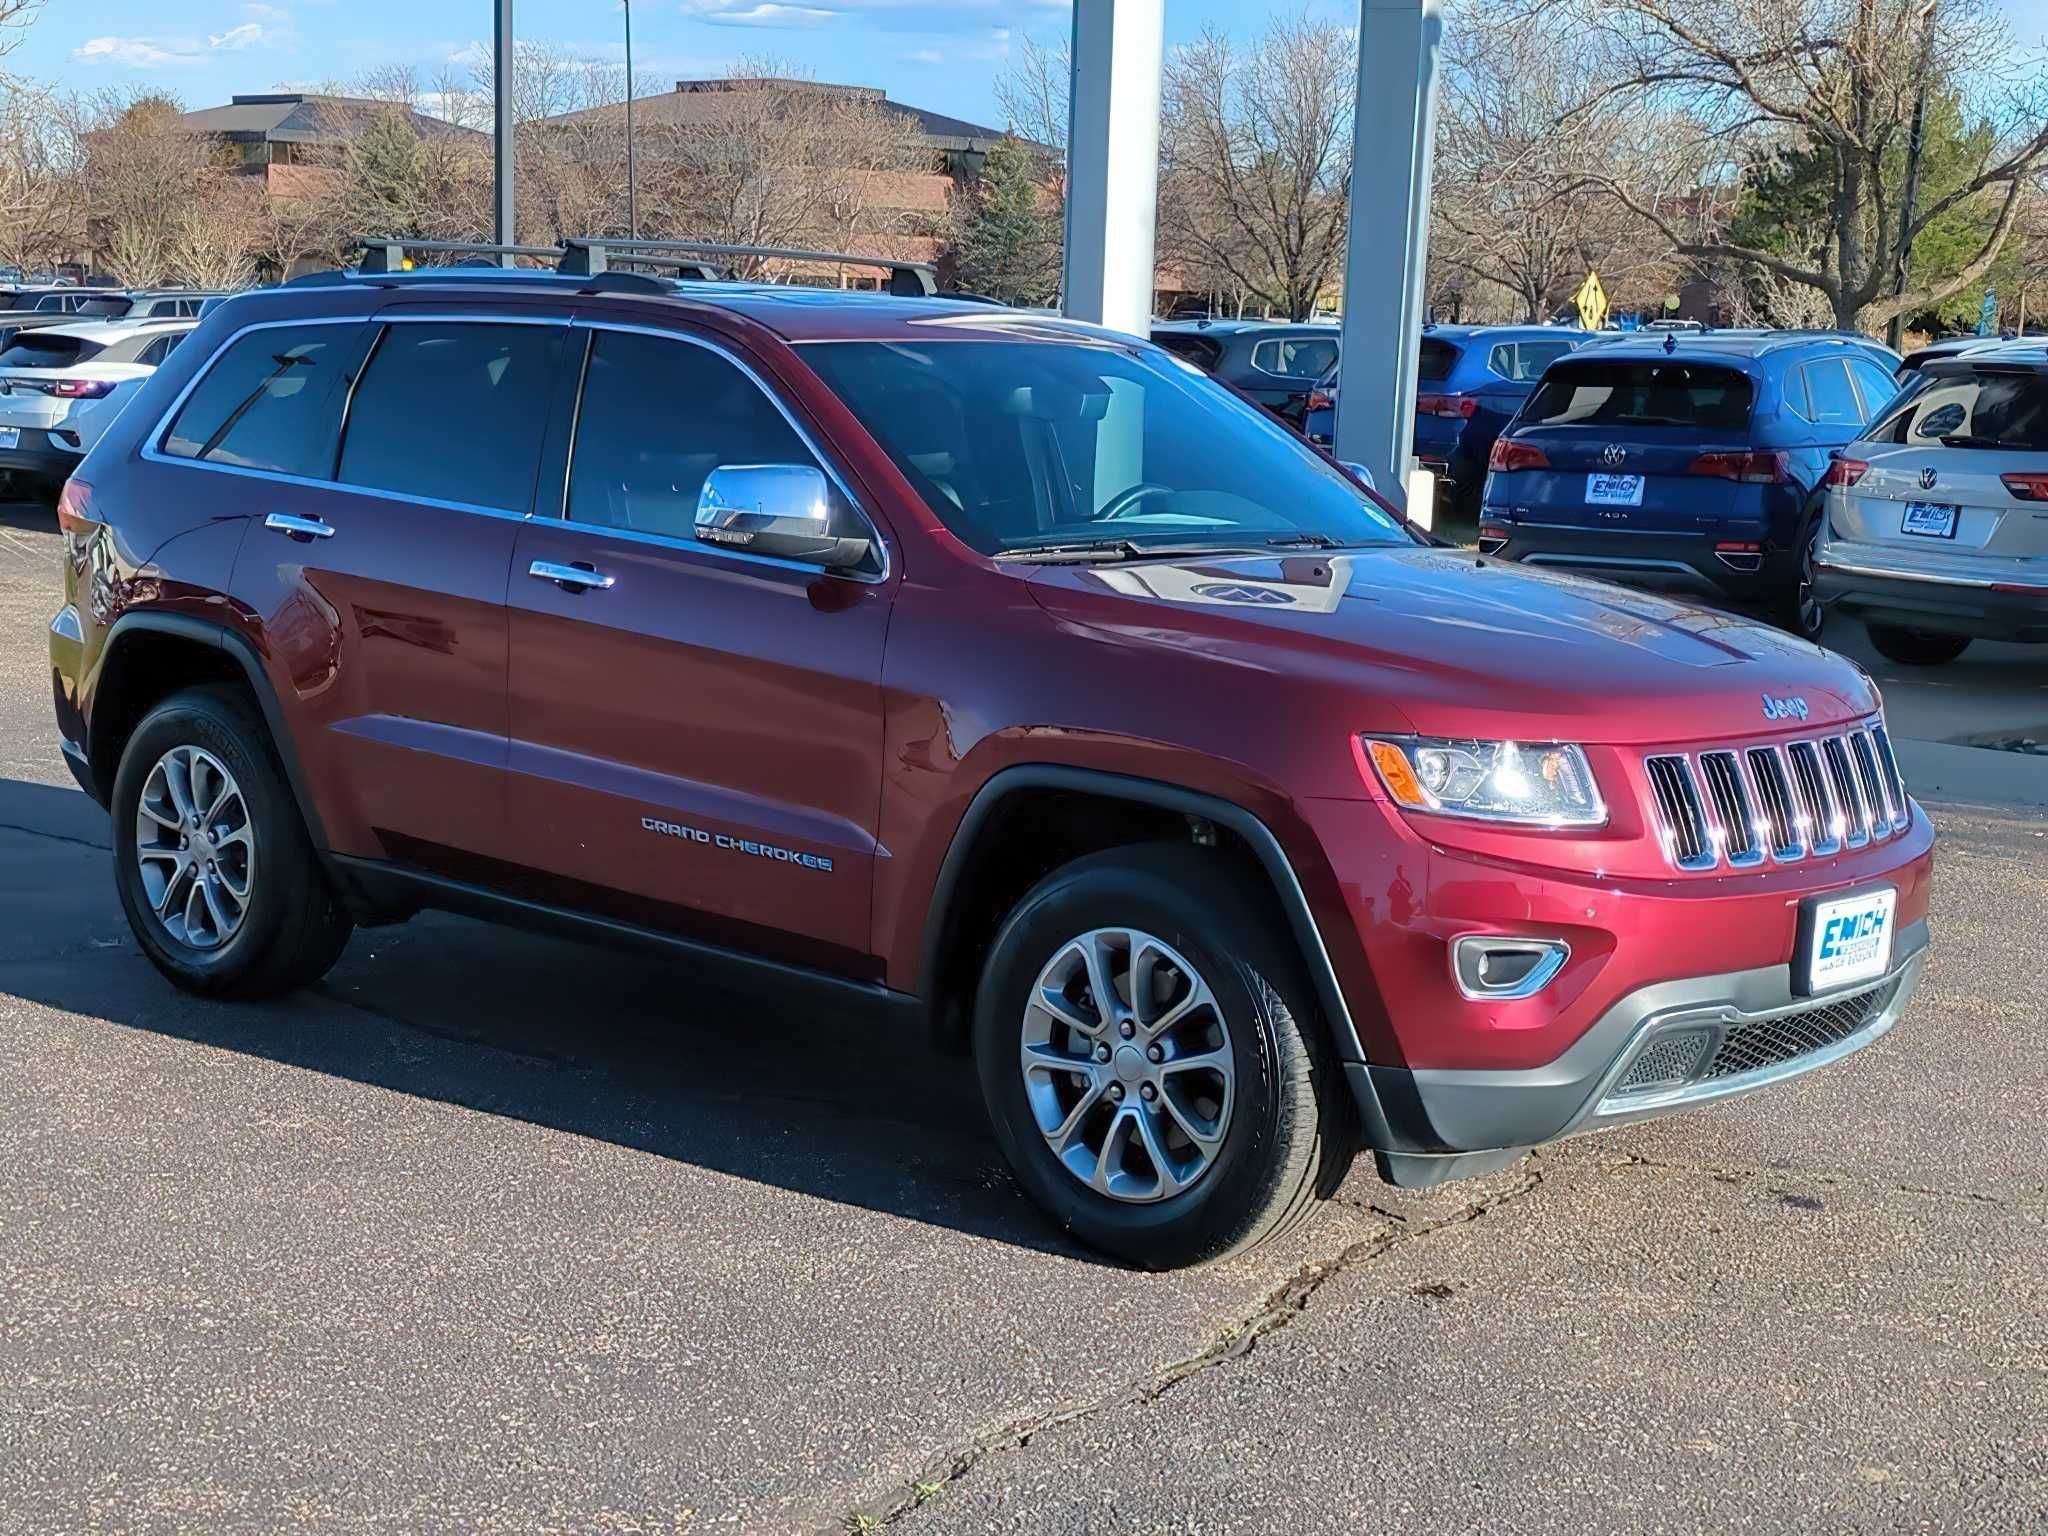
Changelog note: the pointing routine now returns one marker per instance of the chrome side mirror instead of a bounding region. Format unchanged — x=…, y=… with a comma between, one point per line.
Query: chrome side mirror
x=785, y=511
x=1361, y=472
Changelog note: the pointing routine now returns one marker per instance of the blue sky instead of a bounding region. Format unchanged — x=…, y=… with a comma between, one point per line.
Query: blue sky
x=941, y=54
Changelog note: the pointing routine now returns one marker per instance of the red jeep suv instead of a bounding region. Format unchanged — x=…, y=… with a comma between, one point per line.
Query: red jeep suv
x=972, y=670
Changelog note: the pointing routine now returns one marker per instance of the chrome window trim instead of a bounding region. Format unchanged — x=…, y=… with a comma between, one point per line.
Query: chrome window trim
x=698, y=546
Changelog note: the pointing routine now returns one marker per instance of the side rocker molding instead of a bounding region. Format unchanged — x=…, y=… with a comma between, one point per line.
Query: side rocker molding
x=1171, y=797
x=186, y=627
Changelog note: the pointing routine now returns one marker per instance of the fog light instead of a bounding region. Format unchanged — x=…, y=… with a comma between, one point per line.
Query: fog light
x=1501, y=969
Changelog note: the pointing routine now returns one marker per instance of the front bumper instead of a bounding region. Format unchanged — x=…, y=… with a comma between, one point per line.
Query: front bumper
x=1941, y=604
x=1664, y=562
x=1740, y=1031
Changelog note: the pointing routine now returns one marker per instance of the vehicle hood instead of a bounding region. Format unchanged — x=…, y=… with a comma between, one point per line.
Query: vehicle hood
x=1447, y=643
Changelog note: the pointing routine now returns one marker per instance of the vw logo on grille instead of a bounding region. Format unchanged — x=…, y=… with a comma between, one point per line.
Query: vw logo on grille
x=1927, y=478
x=1614, y=453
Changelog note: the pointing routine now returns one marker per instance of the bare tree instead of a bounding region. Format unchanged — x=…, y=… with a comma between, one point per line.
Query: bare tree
x=212, y=244
x=1512, y=206
x=41, y=218
x=1256, y=160
x=1836, y=79
x=142, y=171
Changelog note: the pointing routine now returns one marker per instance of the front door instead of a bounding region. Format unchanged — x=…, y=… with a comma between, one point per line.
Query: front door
x=696, y=734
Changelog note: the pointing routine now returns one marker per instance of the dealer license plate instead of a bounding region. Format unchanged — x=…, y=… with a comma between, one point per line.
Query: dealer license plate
x=1614, y=490
x=1930, y=519
x=1849, y=939
x=10, y=437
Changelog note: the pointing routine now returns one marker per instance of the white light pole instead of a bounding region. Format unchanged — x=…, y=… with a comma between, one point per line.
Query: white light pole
x=1113, y=162
x=1387, y=248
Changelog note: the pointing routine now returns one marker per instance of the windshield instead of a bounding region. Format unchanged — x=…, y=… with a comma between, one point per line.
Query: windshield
x=1017, y=445
x=1980, y=409
x=1640, y=394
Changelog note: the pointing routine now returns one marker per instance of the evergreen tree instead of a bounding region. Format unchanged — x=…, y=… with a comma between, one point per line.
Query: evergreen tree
x=1006, y=237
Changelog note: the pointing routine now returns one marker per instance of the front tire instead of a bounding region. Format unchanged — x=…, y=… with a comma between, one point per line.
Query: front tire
x=1798, y=610
x=1917, y=647
x=220, y=882
x=1196, y=1114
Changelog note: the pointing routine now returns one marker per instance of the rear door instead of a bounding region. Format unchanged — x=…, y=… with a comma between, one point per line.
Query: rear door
x=1959, y=468
x=1622, y=442
x=385, y=469
x=696, y=733
x=1284, y=371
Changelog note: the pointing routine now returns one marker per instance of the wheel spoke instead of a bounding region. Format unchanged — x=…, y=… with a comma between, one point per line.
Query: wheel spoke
x=167, y=819
x=1206, y=1134
x=1111, y=1157
x=223, y=923
x=241, y=837
x=1063, y=1135
x=177, y=770
x=1155, y=1148
x=1217, y=1061
x=180, y=867
x=195, y=904
x=1099, y=985
x=1054, y=1002
x=1043, y=1058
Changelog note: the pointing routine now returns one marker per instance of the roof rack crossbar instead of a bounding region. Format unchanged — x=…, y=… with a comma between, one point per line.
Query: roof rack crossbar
x=387, y=253
x=906, y=278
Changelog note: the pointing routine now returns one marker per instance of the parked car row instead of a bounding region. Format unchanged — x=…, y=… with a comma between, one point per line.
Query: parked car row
x=61, y=385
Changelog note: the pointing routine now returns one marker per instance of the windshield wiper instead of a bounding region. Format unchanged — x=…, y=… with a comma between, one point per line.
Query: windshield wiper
x=1972, y=440
x=1083, y=549
x=1126, y=549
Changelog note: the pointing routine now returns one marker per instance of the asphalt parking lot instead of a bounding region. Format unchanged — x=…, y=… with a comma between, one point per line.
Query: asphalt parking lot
x=494, y=1233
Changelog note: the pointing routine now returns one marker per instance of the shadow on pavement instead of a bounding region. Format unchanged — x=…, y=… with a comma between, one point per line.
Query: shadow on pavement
x=620, y=1046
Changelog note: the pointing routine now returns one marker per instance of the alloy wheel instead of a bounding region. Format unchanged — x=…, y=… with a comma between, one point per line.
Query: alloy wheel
x=195, y=848
x=1127, y=1065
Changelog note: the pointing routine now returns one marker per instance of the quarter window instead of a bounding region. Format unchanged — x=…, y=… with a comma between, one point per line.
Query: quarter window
x=1832, y=397
x=657, y=417
x=272, y=401
x=1877, y=387
x=1295, y=357
x=452, y=412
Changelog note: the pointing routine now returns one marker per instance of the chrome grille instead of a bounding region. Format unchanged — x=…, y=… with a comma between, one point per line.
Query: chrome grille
x=1766, y=1042
x=1740, y=806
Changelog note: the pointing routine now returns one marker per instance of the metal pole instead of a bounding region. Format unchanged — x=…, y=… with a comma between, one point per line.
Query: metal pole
x=504, y=70
x=1895, y=332
x=632, y=193
x=1113, y=162
x=1387, y=246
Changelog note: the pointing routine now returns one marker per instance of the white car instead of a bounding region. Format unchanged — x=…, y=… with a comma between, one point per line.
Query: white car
x=1936, y=525
x=61, y=385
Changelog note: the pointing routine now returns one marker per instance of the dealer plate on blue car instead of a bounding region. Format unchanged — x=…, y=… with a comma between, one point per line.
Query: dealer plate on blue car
x=1614, y=490
x=1846, y=939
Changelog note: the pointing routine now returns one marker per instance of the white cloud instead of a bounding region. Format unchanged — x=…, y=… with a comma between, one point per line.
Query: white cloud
x=757, y=13
x=135, y=52
x=248, y=35
x=924, y=56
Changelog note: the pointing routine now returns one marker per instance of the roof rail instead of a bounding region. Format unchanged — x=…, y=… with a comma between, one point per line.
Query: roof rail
x=907, y=279
x=589, y=256
x=383, y=253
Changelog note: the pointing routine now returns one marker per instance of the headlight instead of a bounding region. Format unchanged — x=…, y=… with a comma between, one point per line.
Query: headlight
x=1533, y=784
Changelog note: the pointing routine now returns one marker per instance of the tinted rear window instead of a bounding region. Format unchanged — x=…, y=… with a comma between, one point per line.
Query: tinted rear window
x=1978, y=410
x=272, y=402
x=1645, y=394
x=112, y=308
x=453, y=413
x=1436, y=359
x=38, y=349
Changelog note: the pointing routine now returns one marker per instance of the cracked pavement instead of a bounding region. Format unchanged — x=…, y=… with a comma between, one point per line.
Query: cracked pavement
x=495, y=1233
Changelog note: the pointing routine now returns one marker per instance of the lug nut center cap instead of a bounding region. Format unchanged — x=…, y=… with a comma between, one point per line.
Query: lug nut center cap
x=1130, y=1064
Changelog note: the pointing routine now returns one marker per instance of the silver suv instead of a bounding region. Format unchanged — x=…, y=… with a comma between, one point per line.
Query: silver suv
x=1936, y=530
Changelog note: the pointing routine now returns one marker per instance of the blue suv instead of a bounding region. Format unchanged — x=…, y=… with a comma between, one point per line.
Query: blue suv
x=1470, y=380
x=1686, y=463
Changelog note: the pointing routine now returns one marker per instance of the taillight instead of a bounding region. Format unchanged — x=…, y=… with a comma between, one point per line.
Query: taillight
x=1509, y=455
x=1845, y=472
x=74, y=507
x=79, y=389
x=1466, y=406
x=1321, y=400
x=2026, y=486
x=1761, y=468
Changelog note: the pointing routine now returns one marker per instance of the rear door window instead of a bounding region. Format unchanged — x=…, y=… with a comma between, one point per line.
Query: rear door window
x=39, y=349
x=452, y=411
x=1305, y=357
x=1831, y=397
x=1650, y=394
x=272, y=401
x=658, y=415
x=1874, y=384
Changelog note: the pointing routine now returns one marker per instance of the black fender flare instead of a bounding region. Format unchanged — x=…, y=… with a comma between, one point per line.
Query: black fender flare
x=1164, y=796
x=186, y=627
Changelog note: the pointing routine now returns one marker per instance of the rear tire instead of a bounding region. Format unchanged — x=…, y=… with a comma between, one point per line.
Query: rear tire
x=1798, y=610
x=1917, y=647
x=1279, y=1126
x=227, y=902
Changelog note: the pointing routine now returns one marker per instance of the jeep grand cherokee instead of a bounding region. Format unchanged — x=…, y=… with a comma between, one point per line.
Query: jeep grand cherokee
x=953, y=666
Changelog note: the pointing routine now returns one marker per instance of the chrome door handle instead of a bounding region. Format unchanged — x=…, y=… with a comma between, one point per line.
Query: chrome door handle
x=298, y=527
x=576, y=577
